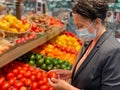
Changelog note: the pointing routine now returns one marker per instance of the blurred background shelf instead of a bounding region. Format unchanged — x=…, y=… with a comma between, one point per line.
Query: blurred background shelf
x=21, y=49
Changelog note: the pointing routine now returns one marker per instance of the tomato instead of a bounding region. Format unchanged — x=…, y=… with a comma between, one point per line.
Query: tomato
x=24, y=21
x=18, y=41
x=22, y=72
x=39, y=76
x=28, y=82
x=51, y=88
x=33, y=78
x=44, y=87
x=15, y=71
x=31, y=36
x=40, y=83
x=18, y=84
x=11, y=81
x=45, y=80
x=52, y=74
x=10, y=75
x=34, y=26
x=26, y=38
x=5, y=86
x=44, y=74
x=34, y=86
x=26, y=65
x=19, y=76
x=23, y=79
x=28, y=74
x=25, y=68
x=23, y=88
x=13, y=88
x=2, y=81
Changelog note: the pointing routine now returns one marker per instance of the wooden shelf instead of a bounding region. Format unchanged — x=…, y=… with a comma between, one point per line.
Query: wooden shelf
x=19, y=50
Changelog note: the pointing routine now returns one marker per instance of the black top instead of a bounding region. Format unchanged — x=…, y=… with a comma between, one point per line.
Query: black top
x=101, y=69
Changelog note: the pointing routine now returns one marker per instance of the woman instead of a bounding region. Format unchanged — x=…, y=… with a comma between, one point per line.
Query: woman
x=98, y=66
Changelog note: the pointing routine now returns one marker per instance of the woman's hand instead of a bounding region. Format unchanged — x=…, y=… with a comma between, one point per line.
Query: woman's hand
x=59, y=84
x=63, y=74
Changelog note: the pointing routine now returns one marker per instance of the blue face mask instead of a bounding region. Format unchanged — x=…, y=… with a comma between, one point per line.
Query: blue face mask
x=85, y=35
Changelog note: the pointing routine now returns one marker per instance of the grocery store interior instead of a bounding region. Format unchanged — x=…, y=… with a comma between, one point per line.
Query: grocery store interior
x=38, y=36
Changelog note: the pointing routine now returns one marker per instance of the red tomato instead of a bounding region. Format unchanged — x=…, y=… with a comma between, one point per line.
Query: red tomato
x=23, y=79
x=18, y=41
x=23, y=88
x=15, y=71
x=28, y=74
x=28, y=82
x=52, y=74
x=45, y=80
x=25, y=68
x=26, y=38
x=19, y=68
x=34, y=26
x=19, y=76
x=26, y=65
x=10, y=75
x=39, y=76
x=40, y=82
x=5, y=86
x=44, y=87
x=2, y=81
x=44, y=74
x=13, y=88
x=34, y=86
x=18, y=84
x=51, y=88
x=68, y=50
x=11, y=81
x=33, y=78
x=22, y=72
x=24, y=21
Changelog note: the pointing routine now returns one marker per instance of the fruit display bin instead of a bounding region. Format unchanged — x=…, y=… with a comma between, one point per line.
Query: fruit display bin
x=14, y=34
x=18, y=50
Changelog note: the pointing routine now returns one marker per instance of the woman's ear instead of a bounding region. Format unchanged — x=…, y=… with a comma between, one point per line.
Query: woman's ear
x=98, y=23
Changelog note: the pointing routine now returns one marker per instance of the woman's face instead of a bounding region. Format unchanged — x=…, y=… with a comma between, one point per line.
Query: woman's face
x=82, y=23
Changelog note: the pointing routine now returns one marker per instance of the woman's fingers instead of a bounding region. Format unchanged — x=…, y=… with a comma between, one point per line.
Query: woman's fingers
x=53, y=81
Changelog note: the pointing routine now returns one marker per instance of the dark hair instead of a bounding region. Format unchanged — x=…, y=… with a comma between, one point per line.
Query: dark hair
x=91, y=9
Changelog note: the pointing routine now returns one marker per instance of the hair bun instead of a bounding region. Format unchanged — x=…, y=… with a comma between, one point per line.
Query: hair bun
x=101, y=8
x=91, y=9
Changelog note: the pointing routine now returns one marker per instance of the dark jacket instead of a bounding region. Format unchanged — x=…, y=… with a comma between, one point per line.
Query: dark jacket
x=101, y=69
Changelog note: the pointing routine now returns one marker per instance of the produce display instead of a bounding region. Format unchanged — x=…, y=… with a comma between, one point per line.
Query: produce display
x=20, y=31
x=43, y=23
x=45, y=62
x=11, y=24
x=65, y=47
x=20, y=76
